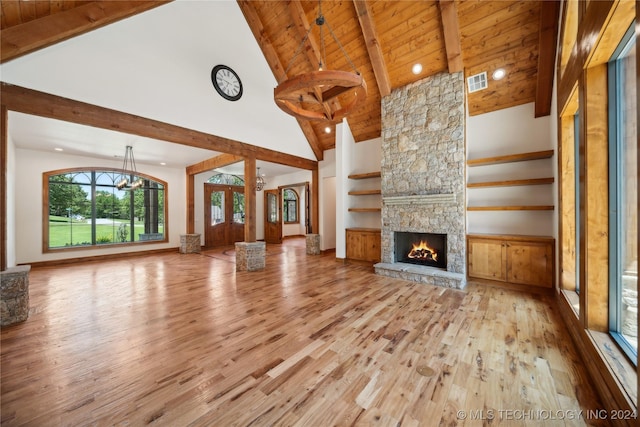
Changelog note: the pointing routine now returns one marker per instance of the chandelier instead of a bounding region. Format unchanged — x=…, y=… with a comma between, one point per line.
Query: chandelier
x=129, y=170
x=322, y=95
x=260, y=182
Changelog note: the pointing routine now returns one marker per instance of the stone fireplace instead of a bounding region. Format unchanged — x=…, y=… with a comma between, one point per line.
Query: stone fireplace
x=423, y=178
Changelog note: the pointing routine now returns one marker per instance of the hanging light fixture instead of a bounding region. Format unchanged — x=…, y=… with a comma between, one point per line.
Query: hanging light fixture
x=322, y=95
x=260, y=182
x=128, y=170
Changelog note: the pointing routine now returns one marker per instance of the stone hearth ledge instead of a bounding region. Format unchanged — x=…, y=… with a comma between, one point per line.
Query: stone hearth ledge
x=421, y=274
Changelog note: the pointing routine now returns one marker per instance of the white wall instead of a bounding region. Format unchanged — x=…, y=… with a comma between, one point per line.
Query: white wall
x=327, y=200
x=351, y=158
x=11, y=203
x=29, y=167
x=510, y=131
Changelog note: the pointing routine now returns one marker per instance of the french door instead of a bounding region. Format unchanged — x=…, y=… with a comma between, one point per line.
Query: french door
x=272, y=216
x=223, y=214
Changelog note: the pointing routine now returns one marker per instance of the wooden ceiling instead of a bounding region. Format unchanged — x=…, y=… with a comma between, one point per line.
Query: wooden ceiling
x=382, y=39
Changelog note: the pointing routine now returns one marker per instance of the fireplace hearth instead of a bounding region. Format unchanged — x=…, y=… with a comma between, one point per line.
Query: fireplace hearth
x=427, y=249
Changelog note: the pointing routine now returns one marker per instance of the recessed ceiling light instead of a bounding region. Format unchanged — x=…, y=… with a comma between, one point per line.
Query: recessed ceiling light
x=163, y=163
x=416, y=69
x=327, y=130
x=498, y=74
x=58, y=149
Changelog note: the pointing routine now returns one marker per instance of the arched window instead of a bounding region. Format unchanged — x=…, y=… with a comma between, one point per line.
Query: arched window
x=290, y=200
x=84, y=208
x=225, y=178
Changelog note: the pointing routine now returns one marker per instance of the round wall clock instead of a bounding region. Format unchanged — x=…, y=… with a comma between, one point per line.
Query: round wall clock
x=226, y=82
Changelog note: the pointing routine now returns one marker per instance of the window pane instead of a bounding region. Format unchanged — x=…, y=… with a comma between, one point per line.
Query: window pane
x=624, y=199
x=628, y=194
x=238, y=207
x=217, y=207
x=272, y=208
x=69, y=207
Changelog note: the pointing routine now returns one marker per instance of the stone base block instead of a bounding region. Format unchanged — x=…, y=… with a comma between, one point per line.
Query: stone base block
x=313, y=244
x=190, y=243
x=14, y=295
x=250, y=256
x=420, y=274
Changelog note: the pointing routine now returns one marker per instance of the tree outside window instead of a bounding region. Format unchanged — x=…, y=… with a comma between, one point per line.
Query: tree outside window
x=290, y=208
x=85, y=208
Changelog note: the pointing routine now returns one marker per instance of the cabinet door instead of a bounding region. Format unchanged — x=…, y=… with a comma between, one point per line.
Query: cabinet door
x=530, y=263
x=354, y=245
x=371, y=247
x=487, y=259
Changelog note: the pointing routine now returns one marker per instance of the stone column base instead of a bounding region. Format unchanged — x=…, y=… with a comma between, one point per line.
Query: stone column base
x=313, y=244
x=14, y=295
x=190, y=243
x=250, y=256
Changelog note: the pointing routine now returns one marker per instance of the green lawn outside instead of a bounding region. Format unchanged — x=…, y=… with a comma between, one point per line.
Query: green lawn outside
x=79, y=233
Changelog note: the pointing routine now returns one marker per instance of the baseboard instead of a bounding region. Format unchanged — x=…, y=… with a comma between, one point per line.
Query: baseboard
x=67, y=261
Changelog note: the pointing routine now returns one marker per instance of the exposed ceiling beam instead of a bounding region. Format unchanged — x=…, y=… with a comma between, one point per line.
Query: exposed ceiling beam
x=29, y=101
x=25, y=38
x=278, y=71
x=213, y=163
x=451, y=32
x=549, y=14
x=373, y=46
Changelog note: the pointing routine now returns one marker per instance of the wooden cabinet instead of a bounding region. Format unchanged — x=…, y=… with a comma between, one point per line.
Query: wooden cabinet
x=363, y=244
x=523, y=260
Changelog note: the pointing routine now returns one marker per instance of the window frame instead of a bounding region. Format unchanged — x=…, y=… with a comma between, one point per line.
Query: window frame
x=284, y=206
x=91, y=171
x=616, y=120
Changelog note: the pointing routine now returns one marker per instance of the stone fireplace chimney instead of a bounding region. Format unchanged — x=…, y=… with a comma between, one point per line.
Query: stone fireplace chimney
x=423, y=175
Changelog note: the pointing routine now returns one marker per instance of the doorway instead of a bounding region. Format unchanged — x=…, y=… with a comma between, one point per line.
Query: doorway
x=224, y=213
x=272, y=215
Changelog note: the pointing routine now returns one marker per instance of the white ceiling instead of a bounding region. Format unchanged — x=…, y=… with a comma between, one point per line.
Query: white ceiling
x=158, y=65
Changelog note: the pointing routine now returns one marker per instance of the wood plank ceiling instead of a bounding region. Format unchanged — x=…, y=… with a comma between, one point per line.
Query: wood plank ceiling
x=382, y=40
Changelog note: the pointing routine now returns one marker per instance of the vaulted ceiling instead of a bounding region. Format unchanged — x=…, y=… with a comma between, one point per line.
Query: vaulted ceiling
x=382, y=40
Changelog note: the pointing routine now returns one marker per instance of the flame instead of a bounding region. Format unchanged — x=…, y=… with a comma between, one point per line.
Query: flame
x=423, y=251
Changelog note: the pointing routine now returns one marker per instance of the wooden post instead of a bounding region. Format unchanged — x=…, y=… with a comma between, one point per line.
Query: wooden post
x=191, y=214
x=315, y=201
x=3, y=188
x=250, y=199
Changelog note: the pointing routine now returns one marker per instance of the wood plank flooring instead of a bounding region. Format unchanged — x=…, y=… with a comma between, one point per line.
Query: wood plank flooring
x=184, y=339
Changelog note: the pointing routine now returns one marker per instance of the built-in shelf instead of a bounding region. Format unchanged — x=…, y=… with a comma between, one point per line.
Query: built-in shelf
x=511, y=183
x=522, y=157
x=365, y=209
x=365, y=175
x=364, y=192
x=511, y=208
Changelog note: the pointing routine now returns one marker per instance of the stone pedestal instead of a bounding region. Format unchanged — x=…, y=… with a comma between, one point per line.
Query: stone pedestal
x=313, y=244
x=250, y=256
x=190, y=243
x=14, y=295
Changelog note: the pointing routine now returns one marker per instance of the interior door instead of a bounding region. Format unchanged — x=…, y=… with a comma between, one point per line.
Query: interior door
x=223, y=215
x=272, y=216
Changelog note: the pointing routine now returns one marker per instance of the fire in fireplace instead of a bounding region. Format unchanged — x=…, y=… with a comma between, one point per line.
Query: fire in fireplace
x=428, y=249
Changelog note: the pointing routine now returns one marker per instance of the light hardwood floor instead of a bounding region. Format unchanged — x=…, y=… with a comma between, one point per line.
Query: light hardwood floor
x=184, y=339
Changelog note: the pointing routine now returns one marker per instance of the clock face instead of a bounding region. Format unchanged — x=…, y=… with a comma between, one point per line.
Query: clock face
x=226, y=82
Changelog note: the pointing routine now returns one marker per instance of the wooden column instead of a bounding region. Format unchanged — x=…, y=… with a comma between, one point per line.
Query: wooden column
x=250, y=199
x=3, y=188
x=315, y=201
x=594, y=191
x=191, y=211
